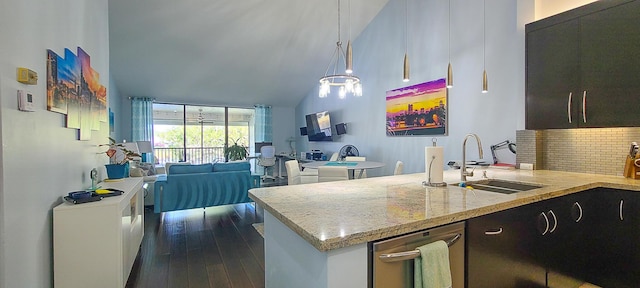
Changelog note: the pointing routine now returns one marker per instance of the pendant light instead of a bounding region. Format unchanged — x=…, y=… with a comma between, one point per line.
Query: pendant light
x=346, y=82
x=405, y=70
x=449, y=68
x=485, y=82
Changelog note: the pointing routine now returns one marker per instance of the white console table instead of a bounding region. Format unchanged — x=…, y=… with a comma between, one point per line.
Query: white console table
x=96, y=243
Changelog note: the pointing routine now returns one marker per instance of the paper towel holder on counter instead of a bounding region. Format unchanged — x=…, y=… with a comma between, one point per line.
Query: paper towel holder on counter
x=428, y=182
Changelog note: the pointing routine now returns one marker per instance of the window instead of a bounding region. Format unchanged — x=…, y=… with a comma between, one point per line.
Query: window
x=198, y=134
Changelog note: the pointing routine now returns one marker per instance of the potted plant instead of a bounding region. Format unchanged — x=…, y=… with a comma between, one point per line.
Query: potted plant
x=118, y=168
x=235, y=152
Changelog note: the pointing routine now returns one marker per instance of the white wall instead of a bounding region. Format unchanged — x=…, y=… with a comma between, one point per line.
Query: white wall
x=546, y=8
x=42, y=160
x=378, y=54
x=283, y=128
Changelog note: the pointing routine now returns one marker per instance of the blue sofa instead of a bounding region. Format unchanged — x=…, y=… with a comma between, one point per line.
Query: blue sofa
x=205, y=185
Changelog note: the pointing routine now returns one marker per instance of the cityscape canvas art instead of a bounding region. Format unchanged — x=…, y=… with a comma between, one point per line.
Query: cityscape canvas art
x=419, y=109
x=74, y=89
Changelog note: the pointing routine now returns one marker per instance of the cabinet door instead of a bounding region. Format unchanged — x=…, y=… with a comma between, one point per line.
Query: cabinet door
x=567, y=246
x=501, y=250
x=610, y=67
x=615, y=258
x=552, y=76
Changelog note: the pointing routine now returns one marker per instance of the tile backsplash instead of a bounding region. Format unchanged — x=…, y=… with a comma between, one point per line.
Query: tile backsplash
x=586, y=150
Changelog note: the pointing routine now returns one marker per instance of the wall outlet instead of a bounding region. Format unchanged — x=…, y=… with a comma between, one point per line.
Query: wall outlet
x=526, y=166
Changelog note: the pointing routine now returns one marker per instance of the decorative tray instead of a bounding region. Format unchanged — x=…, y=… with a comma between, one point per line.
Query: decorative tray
x=95, y=196
x=82, y=200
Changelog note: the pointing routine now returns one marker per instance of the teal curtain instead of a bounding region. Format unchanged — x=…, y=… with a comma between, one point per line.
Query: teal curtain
x=142, y=122
x=263, y=123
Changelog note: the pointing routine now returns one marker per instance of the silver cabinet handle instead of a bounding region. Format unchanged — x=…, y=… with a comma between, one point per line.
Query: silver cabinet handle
x=546, y=220
x=569, y=107
x=584, y=106
x=496, y=232
x=576, y=204
x=621, y=205
x=555, y=221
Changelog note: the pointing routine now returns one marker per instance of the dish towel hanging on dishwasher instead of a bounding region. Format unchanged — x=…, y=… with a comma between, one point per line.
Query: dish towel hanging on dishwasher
x=431, y=269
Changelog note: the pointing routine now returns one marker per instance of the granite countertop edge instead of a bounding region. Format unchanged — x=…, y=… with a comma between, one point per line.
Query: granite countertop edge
x=382, y=232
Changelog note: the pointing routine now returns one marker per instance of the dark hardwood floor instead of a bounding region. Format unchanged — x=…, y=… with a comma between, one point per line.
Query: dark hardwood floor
x=212, y=247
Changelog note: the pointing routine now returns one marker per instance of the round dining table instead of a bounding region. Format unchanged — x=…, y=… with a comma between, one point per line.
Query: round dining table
x=351, y=165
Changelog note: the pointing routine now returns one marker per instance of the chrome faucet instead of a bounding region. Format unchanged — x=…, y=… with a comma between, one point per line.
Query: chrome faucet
x=463, y=167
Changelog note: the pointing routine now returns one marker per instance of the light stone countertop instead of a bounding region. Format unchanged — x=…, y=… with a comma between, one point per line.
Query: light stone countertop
x=333, y=215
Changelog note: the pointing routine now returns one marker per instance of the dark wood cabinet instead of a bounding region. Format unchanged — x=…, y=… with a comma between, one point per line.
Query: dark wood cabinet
x=501, y=250
x=591, y=236
x=613, y=240
x=583, y=67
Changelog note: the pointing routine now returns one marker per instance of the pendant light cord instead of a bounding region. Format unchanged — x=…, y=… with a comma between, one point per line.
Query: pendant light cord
x=484, y=35
x=339, y=41
x=406, y=26
x=449, y=31
x=349, y=20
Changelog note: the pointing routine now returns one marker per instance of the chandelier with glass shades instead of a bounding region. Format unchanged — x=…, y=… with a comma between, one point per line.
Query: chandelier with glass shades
x=347, y=82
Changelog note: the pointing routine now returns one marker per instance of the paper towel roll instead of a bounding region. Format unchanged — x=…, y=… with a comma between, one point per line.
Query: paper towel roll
x=437, y=166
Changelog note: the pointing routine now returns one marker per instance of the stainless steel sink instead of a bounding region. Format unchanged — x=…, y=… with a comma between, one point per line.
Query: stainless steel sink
x=502, y=186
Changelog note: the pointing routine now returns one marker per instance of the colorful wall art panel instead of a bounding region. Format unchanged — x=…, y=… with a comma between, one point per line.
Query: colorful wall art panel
x=419, y=109
x=74, y=89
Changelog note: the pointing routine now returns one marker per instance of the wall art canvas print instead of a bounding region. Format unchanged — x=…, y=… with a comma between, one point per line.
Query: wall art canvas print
x=74, y=89
x=419, y=109
x=56, y=84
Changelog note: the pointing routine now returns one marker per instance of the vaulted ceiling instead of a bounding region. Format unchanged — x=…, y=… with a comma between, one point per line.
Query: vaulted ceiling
x=225, y=52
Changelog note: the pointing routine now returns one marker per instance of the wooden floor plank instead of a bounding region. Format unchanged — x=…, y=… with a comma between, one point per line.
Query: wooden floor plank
x=212, y=247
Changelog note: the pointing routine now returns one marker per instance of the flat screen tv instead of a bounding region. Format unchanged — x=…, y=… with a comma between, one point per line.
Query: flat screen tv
x=319, y=126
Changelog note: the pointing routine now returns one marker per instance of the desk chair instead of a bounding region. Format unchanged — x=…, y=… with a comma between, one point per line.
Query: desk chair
x=399, y=168
x=357, y=159
x=267, y=159
x=295, y=176
x=332, y=173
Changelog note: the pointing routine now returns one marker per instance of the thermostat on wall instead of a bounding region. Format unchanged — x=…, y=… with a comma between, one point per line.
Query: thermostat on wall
x=25, y=101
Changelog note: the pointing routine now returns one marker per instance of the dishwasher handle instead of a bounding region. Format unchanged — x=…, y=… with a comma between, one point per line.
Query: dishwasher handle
x=407, y=255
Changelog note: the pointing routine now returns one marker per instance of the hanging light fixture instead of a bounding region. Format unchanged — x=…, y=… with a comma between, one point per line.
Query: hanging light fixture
x=449, y=68
x=347, y=82
x=405, y=70
x=485, y=82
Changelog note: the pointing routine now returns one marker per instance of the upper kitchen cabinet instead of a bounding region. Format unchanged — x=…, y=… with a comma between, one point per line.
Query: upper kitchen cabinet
x=583, y=67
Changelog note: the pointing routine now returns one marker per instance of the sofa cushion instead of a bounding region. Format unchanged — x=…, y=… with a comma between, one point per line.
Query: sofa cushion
x=231, y=166
x=167, y=166
x=189, y=169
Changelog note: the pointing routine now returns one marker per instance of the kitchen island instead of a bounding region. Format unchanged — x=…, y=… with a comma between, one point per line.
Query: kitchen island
x=316, y=235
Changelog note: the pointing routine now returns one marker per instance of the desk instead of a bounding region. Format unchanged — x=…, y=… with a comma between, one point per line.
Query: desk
x=360, y=165
x=286, y=157
x=279, y=158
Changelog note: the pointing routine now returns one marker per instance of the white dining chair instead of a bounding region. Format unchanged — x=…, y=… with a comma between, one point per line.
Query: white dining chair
x=357, y=159
x=295, y=176
x=399, y=168
x=332, y=173
x=334, y=156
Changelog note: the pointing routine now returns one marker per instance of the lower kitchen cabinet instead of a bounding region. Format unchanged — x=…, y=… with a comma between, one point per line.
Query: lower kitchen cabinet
x=591, y=236
x=501, y=250
x=614, y=240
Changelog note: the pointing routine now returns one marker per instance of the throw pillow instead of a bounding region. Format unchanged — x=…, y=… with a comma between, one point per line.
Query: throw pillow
x=137, y=172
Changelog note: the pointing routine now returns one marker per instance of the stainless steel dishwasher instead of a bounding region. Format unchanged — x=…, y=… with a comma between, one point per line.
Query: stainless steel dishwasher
x=391, y=260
